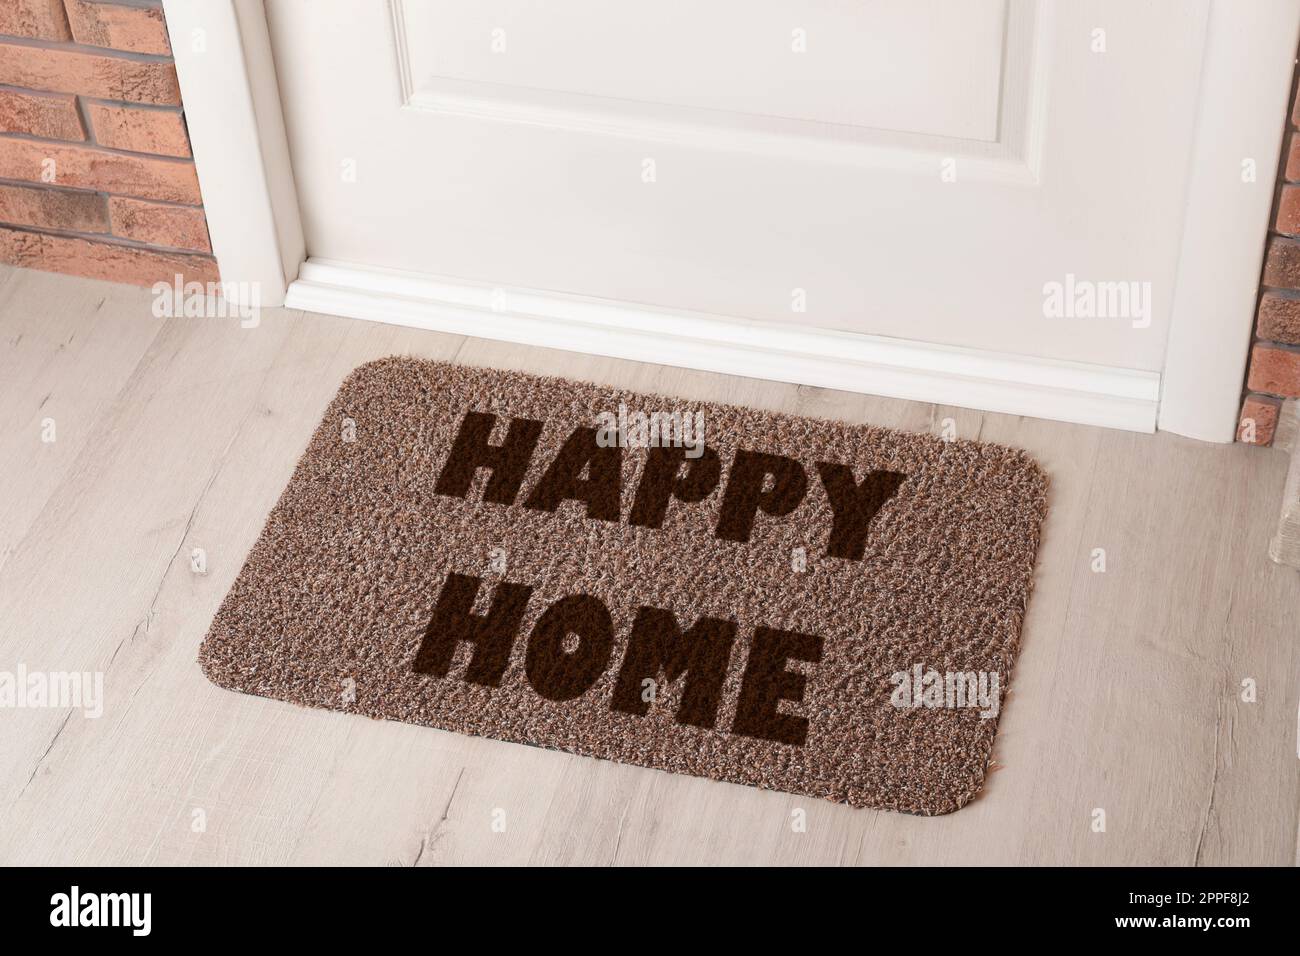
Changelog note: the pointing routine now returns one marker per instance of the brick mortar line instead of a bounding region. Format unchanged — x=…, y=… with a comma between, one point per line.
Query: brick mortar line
x=87, y=127
x=94, y=146
x=30, y=91
x=106, y=238
x=86, y=191
x=129, y=104
x=97, y=100
x=1258, y=394
x=1273, y=344
x=1280, y=346
x=133, y=4
x=72, y=46
x=1281, y=291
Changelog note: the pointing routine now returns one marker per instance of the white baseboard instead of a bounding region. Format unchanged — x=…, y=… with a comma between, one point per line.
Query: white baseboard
x=896, y=368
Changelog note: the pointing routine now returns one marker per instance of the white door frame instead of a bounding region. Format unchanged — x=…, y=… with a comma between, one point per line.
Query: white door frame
x=232, y=106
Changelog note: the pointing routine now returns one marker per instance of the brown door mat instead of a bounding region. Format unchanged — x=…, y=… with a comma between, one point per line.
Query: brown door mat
x=803, y=605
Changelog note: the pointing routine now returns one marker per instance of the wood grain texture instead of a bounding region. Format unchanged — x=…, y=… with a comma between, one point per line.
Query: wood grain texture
x=180, y=433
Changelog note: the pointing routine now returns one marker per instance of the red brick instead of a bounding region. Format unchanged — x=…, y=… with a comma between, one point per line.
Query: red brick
x=47, y=115
x=1288, y=211
x=85, y=167
x=1279, y=319
x=102, y=260
x=135, y=29
x=1274, y=370
x=40, y=19
x=1282, y=265
x=158, y=131
x=45, y=208
x=1292, y=173
x=181, y=227
x=103, y=76
x=1263, y=411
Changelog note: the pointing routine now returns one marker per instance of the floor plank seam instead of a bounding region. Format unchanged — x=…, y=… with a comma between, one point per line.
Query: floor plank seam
x=618, y=837
x=1218, y=730
x=431, y=838
x=40, y=760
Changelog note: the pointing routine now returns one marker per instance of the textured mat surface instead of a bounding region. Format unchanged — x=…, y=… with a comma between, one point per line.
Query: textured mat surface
x=802, y=605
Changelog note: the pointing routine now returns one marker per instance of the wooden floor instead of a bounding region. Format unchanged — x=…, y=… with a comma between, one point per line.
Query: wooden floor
x=179, y=434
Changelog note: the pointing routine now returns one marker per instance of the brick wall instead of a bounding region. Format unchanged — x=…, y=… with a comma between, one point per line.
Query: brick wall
x=96, y=175
x=1274, y=370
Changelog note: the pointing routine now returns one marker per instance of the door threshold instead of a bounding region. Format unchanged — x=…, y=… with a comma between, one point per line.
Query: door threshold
x=875, y=365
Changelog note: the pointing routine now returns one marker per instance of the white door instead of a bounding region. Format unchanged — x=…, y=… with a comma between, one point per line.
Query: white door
x=1000, y=175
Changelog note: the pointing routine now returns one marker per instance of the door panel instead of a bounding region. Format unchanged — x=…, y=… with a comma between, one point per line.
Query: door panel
x=922, y=66
x=921, y=170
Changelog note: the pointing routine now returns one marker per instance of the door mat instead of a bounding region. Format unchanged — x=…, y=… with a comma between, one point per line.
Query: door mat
x=802, y=605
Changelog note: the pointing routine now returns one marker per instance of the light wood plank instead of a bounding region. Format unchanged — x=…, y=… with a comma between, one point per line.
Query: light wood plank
x=66, y=350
